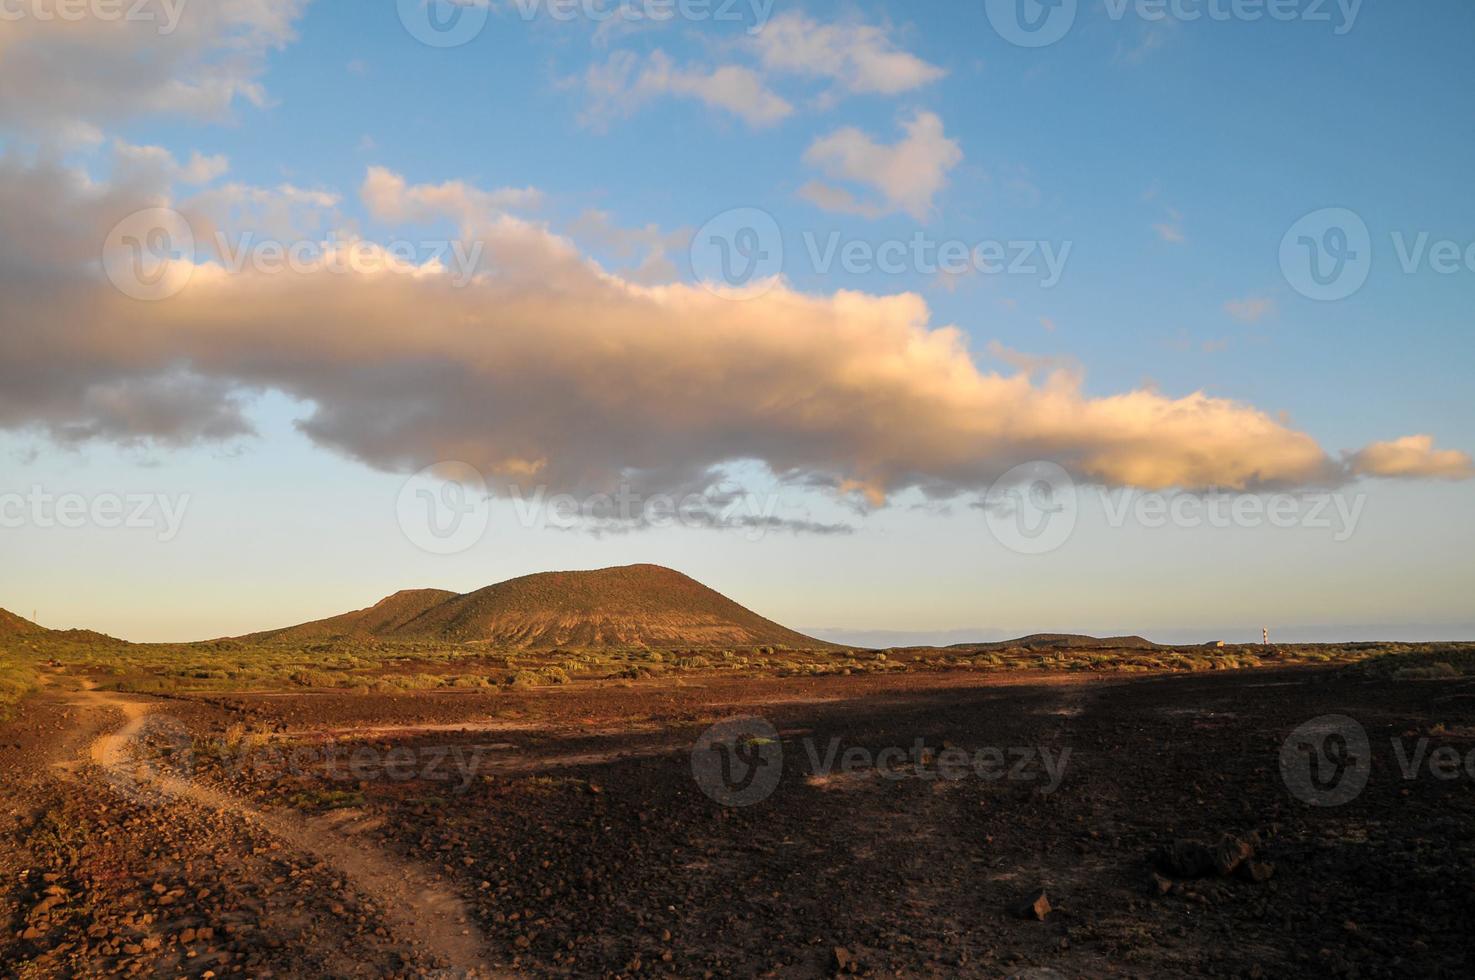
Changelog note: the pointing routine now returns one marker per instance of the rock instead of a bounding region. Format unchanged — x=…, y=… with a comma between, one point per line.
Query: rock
x=1230, y=853
x=1190, y=859
x=842, y=961
x=1257, y=871
x=1161, y=885
x=1037, y=908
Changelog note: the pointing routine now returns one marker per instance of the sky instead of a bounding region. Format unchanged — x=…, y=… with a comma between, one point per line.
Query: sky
x=896, y=323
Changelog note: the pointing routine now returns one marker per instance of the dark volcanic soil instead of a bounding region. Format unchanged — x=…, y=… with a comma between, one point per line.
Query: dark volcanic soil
x=567, y=823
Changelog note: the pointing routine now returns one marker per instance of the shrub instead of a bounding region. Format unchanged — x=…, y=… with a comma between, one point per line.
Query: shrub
x=1433, y=672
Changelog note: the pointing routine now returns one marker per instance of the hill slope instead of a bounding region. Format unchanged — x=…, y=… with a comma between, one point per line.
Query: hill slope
x=380, y=619
x=632, y=605
x=13, y=625
x=1062, y=641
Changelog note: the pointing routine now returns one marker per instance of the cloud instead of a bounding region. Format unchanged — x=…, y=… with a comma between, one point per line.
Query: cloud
x=168, y=409
x=907, y=174
x=855, y=58
x=1251, y=309
x=1411, y=456
x=1153, y=37
x=860, y=58
x=199, y=170
x=547, y=370
x=391, y=199
x=839, y=200
x=1171, y=230
x=649, y=245
x=197, y=59
x=623, y=83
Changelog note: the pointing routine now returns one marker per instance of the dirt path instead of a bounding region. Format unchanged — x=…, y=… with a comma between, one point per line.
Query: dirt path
x=417, y=906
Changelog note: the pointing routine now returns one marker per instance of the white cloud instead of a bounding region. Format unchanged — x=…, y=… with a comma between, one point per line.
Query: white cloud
x=1411, y=457
x=648, y=246
x=1171, y=229
x=1251, y=309
x=200, y=169
x=118, y=67
x=550, y=370
x=624, y=82
x=907, y=174
x=391, y=199
x=860, y=58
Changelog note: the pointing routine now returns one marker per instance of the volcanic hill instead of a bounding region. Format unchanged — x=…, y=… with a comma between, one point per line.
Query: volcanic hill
x=632, y=605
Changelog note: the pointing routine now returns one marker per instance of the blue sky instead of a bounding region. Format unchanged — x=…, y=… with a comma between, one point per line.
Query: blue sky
x=1166, y=159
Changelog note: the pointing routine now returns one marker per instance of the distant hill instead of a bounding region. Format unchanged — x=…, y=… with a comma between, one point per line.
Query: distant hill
x=1065, y=641
x=632, y=605
x=13, y=625
x=380, y=619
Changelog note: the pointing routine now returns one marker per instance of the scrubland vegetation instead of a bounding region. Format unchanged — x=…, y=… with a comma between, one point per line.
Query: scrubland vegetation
x=382, y=666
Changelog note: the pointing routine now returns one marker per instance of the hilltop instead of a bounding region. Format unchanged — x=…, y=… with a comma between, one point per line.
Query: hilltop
x=13, y=625
x=631, y=605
